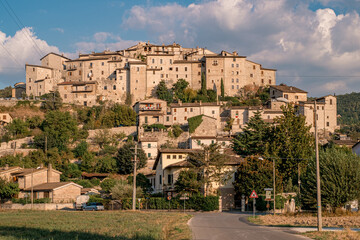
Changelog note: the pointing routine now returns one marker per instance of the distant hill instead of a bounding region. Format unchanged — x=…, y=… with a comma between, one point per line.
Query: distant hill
x=348, y=107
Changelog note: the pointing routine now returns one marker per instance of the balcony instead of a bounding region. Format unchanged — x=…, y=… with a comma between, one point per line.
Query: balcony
x=150, y=108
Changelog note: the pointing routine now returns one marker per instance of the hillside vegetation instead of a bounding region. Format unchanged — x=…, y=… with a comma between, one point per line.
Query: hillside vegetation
x=349, y=108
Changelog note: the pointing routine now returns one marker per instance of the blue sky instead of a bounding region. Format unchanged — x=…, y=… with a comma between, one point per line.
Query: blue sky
x=315, y=45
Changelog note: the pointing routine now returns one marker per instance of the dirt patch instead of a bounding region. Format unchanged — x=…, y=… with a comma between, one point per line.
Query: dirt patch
x=351, y=221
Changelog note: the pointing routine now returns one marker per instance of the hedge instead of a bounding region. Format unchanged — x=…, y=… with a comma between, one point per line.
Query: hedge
x=261, y=203
x=28, y=200
x=196, y=202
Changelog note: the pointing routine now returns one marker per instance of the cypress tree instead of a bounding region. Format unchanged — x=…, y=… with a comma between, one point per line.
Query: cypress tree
x=222, y=88
x=203, y=84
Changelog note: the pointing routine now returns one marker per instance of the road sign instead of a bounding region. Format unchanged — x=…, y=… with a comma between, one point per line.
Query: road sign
x=184, y=198
x=169, y=193
x=268, y=189
x=253, y=194
x=169, y=197
x=268, y=196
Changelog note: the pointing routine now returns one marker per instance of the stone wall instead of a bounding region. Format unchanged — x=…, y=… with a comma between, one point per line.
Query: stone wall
x=40, y=206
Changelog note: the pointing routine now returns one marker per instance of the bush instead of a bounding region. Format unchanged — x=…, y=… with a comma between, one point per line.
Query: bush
x=107, y=184
x=84, y=182
x=176, y=130
x=94, y=181
x=28, y=200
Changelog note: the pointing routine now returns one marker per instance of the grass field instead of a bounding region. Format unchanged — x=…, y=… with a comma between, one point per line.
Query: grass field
x=107, y=225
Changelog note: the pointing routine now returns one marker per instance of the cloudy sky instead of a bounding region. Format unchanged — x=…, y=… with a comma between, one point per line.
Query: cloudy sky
x=314, y=44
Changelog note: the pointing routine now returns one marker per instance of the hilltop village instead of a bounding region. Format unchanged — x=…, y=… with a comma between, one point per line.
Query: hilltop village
x=182, y=100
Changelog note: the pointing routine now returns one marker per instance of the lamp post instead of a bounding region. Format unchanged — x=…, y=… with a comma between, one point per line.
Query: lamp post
x=318, y=189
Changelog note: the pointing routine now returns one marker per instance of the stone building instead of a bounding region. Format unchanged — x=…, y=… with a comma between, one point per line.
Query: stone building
x=19, y=90
x=135, y=72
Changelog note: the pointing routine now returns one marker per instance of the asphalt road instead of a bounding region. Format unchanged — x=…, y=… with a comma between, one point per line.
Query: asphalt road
x=233, y=225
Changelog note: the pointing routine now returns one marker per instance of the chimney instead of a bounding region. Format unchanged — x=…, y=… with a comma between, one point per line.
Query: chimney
x=6, y=166
x=235, y=53
x=180, y=102
x=200, y=102
x=41, y=165
x=291, y=88
x=49, y=173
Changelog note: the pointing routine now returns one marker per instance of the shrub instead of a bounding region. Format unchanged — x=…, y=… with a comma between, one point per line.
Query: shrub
x=176, y=130
x=84, y=182
x=95, y=182
x=107, y=184
x=28, y=200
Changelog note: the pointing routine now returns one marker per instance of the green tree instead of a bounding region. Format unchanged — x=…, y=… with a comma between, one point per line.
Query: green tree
x=179, y=89
x=222, y=88
x=339, y=175
x=8, y=189
x=107, y=184
x=124, y=158
x=210, y=164
x=106, y=164
x=203, y=84
x=189, y=95
x=291, y=141
x=255, y=174
x=229, y=124
x=17, y=128
x=123, y=190
x=52, y=101
x=88, y=162
x=123, y=115
x=80, y=149
x=6, y=92
x=254, y=138
x=59, y=128
x=163, y=93
x=188, y=181
x=141, y=181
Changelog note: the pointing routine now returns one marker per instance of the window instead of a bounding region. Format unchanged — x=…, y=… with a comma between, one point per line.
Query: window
x=136, y=81
x=168, y=156
x=40, y=86
x=160, y=61
x=212, y=141
x=85, y=96
x=91, y=65
x=234, y=59
x=29, y=79
x=137, y=69
x=153, y=60
x=330, y=101
x=170, y=61
x=162, y=75
x=176, y=69
x=232, y=80
x=146, y=119
x=105, y=87
x=80, y=72
x=185, y=118
x=65, y=95
x=222, y=70
x=185, y=110
x=232, y=86
x=322, y=108
x=85, y=103
x=102, y=72
x=269, y=81
x=208, y=70
x=262, y=81
x=120, y=77
x=232, y=65
x=170, y=179
x=174, y=109
x=160, y=179
x=102, y=63
x=69, y=73
x=114, y=87
x=4, y=117
x=237, y=86
x=286, y=96
x=180, y=156
x=191, y=109
x=170, y=69
x=327, y=124
x=174, y=157
x=174, y=118
x=33, y=69
x=149, y=145
x=185, y=69
x=254, y=67
x=199, y=73
x=213, y=112
x=167, y=118
x=149, y=155
x=237, y=65
x=237, y=80
x=251, y=75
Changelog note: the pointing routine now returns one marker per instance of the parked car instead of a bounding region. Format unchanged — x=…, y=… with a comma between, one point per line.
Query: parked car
x=93, y=206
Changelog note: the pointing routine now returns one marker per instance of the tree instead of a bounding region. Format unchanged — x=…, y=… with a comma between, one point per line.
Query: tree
x=203, y=84
x=141, y=181
x=210, y=164
x=106, y=164
x=107, y=184
x=255, y=174
x=188, y=181
x=123, y=115
x=189, y=95
x=102, y=138
x=17, y=128
x=291, y=141
x=163, y=93
x=52, y=101
x=229, y=124
x=8, y=189
x=124, y=158
x=6, y=92
x=80, y=149
x=179, y=89
x=254, y=138
x=222, y=88
x=59, y=128
x=123, y=190
x=339, y=175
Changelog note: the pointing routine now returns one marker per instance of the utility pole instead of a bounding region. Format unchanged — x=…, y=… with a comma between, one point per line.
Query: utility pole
x=274, y=185
x=32, y=189
x=134, y=180
x=318, y=189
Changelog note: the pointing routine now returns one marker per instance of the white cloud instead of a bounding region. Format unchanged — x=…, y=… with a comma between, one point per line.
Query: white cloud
x=102, y=41
x=60, y=30
x=304, y=45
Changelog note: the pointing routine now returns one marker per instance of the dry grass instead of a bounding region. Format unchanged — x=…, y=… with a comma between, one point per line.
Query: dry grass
x=108, y=225
x=351, y=220
x=337, y=235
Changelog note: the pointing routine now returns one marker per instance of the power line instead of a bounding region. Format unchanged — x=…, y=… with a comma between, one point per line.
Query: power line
x=10, y=55
x=318, y=76
x=17, y=21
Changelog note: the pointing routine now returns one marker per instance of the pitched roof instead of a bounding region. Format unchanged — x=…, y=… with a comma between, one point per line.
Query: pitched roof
x=288, y=89
x=38, y=66
x=197, y=104
x=84, y=174
x=183, y=163
x=9, y=169
x=54, y=54
x=52, y=186
x=27, y=171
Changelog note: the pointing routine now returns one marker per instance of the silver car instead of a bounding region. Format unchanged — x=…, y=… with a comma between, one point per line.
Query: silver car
x=93, y=206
